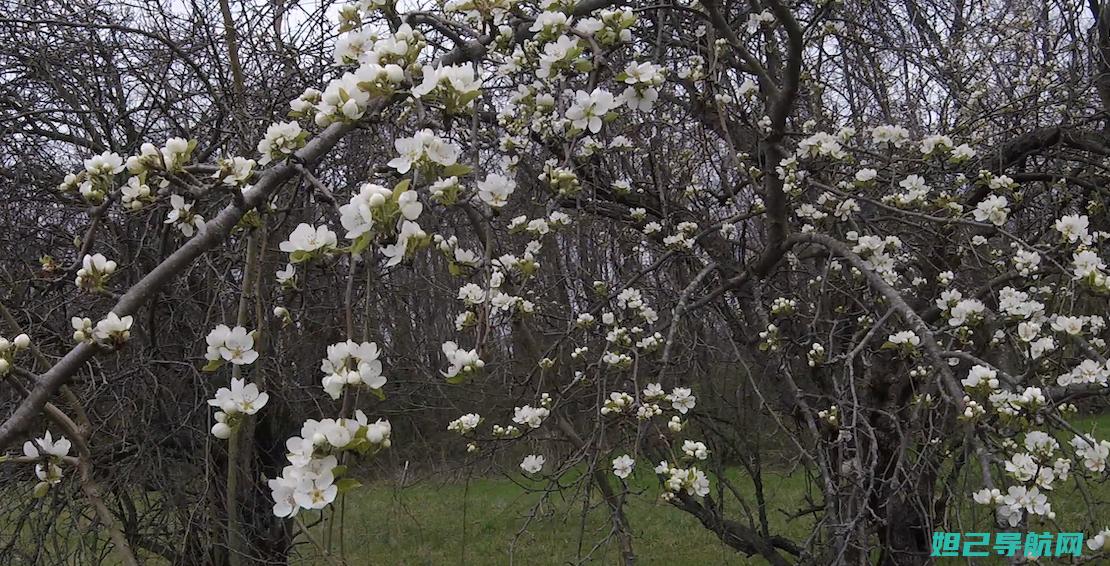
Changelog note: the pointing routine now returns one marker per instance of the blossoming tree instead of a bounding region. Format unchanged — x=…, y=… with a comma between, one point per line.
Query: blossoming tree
x=628, y=239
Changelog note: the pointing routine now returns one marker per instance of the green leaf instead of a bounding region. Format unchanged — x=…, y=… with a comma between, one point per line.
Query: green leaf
x=454, y=269
x=212, y=365
x=41, y=488
x=360, y=244
x=339, y=471
x=298, y=256
x=378, y=393
x=466, y=98
x=347, y=484
x=457, y=379
x=456, y=170
x=401, y=186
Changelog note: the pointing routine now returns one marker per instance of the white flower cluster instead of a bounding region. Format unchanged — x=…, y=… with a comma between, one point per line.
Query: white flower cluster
x=424, y=150
x=617, y=402
x=113, y=330
x=589, y=109
x=960, y=311
x=234, y=345
x=168, y=159
x=459, y=257
x=643, y=80
x=410, y=238
x=453, y=86
x=343, y=99
x=181, y=215
x=307, y=242
x=1087, y=266
x=532, y=463
x=82, y=329
x=135, y=194
x=981, y=377
x=1088, y=371
x=877, y=253
x=1073, y=229
x=463, y=363
x=97, y=179
x=353, y=364
x=993, y=209
x=1037, y=463
x=234, y=171
x=695, y=450
x=936, y=144
x=49, y=453
x=465, y=424
x=368, y=46
x=905, y=342
x=632, y=300
x=890, y=134
x=94, y=272
x=915, y=191
x=691, y=480
x=309, y=482
x=1010, y=403
x=531, y=416
x=375, y=205
x=1094, y=453
x=821, y=144
x=622, y=466
x=1018, y=500
x=281, y=141
x=495, y=190
x=783, y=306
x=240, y=399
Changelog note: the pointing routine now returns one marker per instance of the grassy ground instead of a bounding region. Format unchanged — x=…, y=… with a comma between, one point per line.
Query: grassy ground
x=510, y=520
x=497, y=521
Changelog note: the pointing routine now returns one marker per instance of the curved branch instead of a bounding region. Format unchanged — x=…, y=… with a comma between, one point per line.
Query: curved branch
x=892, y=296
x=214, y=234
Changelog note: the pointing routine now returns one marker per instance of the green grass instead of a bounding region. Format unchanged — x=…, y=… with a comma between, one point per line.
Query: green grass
x=489, y=520
x=495, y=520
x=511, y=520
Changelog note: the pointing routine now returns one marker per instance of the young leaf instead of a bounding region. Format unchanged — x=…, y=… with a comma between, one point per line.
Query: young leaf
x=456, y=170
x=347, y=484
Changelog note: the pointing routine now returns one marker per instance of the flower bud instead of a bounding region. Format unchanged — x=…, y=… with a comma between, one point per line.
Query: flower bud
x=350, y=109
x=22, y=342
x=675, y=424
x=394, y=73
x=221, y=431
